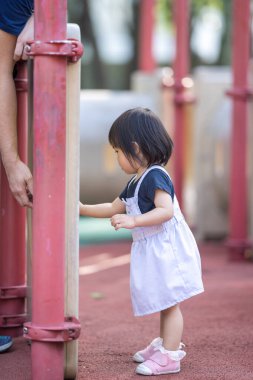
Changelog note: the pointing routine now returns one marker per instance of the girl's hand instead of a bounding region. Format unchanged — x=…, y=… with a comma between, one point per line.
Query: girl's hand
x=81, y=208
x=123, y=221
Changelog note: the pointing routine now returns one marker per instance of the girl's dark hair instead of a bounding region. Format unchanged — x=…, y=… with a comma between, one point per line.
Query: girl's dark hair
x=142, y=126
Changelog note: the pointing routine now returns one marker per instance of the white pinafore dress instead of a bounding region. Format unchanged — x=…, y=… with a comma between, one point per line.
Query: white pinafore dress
x=165, y=264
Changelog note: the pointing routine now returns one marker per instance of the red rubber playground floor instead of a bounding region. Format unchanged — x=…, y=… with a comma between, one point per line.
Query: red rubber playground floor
x=218, y=323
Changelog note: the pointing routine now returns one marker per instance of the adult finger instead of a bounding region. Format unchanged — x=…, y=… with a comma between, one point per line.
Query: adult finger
x=24, y=53
x=29, y=184
x=26, y=201
x=18, y=50
x=22, y=198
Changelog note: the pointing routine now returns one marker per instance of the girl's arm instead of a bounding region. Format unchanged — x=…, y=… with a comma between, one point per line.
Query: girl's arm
x=103, y=210
x=162, y=212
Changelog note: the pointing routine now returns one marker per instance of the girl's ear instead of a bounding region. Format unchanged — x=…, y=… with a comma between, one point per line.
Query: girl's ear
x=136, y=147
x=139, y=156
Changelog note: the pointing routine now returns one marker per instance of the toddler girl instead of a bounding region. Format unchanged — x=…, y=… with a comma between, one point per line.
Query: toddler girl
x=165, y=262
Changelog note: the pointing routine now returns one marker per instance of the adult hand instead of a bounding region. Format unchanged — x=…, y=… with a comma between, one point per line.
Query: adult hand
x=20, y=182
x=27, y=34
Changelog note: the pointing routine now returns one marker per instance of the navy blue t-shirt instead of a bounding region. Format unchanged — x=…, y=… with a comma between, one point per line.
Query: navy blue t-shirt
x=154, y=180
x=14, y=15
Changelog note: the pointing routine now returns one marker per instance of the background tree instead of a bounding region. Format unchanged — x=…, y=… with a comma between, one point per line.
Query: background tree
x=96, y=73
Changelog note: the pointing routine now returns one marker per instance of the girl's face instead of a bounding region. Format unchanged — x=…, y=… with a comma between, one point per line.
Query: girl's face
x=126, y=166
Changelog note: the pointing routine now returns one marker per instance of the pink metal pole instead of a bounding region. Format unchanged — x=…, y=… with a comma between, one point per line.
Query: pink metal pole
x=146, y=60
x=12, y=231
x=181, y=67
x=238, y=201
x=49, y=156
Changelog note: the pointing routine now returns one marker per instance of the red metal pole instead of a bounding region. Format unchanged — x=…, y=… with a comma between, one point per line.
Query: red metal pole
x=238, y=201
x=49, y=192
x=12, y=231
x=146, y=60
x=181, y=67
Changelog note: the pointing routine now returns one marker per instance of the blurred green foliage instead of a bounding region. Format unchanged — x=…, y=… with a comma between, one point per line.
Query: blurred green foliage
x=98, y=74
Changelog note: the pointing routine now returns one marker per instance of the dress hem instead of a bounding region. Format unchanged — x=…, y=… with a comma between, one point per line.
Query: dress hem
x=170, y=304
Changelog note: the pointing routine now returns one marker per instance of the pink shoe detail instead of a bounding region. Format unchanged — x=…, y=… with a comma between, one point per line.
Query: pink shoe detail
x=141, y=356
x=161, y=362
x=145, y=354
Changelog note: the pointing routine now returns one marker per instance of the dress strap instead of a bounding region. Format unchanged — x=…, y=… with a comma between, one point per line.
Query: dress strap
x=131, y=181
x=144, y=175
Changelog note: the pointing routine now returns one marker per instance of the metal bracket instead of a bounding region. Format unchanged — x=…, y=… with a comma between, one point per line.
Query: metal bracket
x=8, y=321
x=71, y=48
x=183, y=98
x=240, y=93
x=70, y=330
x=239, y=243
x=12, y=292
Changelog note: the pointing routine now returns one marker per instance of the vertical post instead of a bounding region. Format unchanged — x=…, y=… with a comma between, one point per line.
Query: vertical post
x=12, y=230
x=72, y=205
x=238, y=198
x=181, y=67
x=146, y=60
x=29, y=212
x=49, y=154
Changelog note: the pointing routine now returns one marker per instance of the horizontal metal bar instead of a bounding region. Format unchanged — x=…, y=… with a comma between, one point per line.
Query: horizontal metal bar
x=184, y=98
x=240, y=93
x=239, y=243
x=12, y=292
x=8, y=321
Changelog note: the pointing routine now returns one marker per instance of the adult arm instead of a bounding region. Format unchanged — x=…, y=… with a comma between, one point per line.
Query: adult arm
x=18, y=174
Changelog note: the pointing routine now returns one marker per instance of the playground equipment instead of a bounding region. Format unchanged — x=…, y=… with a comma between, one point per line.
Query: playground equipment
x=146, y=61
x=211, y=151
x=55, y=222
x=51, y=326
x=181, y=70
x=240, y=94
x=54, y=321
x=47, y=328
x=72, y=205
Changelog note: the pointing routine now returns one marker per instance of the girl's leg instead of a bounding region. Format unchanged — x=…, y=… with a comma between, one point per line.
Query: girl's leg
x=171, y=327
x=163, y=362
